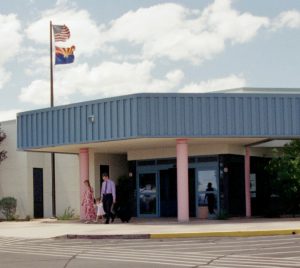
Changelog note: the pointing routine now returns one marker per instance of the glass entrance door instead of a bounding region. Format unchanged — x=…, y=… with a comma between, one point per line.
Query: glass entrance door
x=208, y=187
x=147, y=194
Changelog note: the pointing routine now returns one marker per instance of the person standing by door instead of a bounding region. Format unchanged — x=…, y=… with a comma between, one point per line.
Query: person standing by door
x=108, y=196
x=210, y=196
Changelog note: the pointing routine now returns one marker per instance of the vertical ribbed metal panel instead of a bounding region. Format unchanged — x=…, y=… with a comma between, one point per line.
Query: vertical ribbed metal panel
x=162, y=115
x=127, y=117
x=114, y=119
x=89, y=125
x=218, y=115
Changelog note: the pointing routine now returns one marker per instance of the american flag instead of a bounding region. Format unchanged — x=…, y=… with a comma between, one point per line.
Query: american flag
x=61, y=33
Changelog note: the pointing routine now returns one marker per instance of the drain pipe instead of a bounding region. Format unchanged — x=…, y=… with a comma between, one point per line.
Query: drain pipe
x=247, y=182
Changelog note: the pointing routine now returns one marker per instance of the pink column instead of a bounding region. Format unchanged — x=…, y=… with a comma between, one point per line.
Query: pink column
x=247, y=182
x=182, y=180
x=84, y=175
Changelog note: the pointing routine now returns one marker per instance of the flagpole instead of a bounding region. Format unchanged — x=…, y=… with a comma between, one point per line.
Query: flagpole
x=51, y=67
x=51, y=105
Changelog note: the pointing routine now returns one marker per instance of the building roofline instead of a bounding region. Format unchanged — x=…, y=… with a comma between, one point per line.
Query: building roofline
x=8, y=121
x=263, y=89
x=154, y=94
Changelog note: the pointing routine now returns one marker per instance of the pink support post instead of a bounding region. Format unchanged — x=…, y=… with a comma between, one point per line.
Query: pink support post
x=247, y=182
x=182, y=180
x=84, y=175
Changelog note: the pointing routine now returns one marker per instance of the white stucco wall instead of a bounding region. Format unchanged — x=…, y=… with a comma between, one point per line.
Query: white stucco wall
x=66, y=177
x=67, y=183
x=117, y=163
x=13, y=171
x=38, y=160
x=16, y=177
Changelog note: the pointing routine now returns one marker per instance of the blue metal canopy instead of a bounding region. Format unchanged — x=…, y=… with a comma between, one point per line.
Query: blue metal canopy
x=157, y=115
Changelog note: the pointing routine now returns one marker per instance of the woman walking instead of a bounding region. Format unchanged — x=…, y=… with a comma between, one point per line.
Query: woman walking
x=88, y=203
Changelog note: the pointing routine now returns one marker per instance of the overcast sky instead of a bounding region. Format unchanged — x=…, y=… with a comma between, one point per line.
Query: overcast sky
x=124, y=47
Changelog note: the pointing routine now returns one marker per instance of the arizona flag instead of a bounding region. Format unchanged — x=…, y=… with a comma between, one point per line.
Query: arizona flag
x=64, y=55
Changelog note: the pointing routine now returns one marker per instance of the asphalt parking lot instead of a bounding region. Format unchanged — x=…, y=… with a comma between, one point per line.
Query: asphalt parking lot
x=269, y=251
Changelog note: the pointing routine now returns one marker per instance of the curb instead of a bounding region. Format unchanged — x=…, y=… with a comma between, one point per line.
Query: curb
x=185, y=235
x=126, y=236
x=227, y=234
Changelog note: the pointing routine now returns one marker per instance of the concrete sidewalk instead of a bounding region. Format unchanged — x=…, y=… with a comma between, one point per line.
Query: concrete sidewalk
x=150, y=228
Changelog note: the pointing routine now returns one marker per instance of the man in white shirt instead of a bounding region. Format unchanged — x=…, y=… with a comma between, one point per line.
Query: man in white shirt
x=108, y=196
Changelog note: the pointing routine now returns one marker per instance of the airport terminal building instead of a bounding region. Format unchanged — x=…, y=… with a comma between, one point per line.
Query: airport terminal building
x=170, y=145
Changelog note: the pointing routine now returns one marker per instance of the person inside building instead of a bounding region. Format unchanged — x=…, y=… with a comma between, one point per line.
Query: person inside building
x=210, y=197
x=108, y=195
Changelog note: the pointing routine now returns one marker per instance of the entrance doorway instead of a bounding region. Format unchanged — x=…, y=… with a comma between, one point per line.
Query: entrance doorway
x=103, y=169
x=147, y=195
x=208, y=173
x=157, y=186
x=157, y=193
x=38, y=194
x=168, y=192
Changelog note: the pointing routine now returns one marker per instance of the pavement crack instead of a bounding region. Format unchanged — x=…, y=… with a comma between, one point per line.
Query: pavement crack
x=72, y=258
x=215, y=259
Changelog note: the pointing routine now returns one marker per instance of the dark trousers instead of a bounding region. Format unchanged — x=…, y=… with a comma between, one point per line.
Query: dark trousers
x=107, y=206
x=211, y=205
